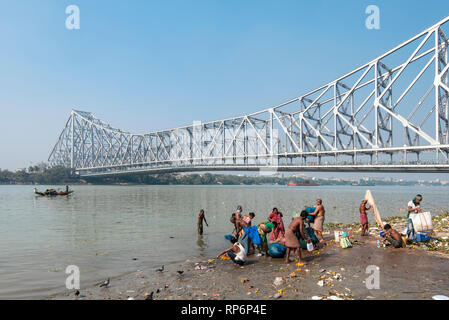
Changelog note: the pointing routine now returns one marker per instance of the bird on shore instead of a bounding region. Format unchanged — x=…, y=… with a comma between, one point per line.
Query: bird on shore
x=180, y=272
x=160, y=269
x=105, y=284
x=150, y=296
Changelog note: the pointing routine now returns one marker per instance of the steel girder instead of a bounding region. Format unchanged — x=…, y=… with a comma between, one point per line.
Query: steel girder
x=389, y=113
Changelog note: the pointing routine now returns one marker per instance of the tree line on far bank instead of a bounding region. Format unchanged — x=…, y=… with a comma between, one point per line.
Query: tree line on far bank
x=35, y=175
x=61, y=175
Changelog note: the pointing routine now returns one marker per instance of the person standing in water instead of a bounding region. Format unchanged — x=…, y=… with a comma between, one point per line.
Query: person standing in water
x=363, y=216
x=201, y=217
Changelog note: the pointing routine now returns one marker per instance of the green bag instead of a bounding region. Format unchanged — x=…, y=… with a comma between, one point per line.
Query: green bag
x=345, y=243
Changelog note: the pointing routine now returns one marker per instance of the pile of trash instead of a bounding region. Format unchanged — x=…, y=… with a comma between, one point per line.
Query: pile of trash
x=205, y=265
x=328, y=278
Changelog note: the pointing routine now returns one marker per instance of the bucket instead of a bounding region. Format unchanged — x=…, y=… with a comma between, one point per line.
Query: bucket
x=309, y=246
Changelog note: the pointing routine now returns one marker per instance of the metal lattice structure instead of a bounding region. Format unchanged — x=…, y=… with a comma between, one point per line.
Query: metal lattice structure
x=390, y=114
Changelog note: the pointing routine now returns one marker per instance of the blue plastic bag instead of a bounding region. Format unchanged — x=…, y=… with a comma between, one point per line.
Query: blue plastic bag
x=310, y=209
x=276, y=250
x=310, y=217
x=421, y=237
x=253, y=235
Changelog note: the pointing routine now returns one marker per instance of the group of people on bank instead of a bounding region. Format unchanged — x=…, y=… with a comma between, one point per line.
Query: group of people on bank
x=391, y=236
x=305, y=230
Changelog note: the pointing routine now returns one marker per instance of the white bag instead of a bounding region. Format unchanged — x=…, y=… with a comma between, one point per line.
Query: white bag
x=337, y=235
x=422, y=221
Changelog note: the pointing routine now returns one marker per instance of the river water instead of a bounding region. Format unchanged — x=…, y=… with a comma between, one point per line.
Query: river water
x=108, y=231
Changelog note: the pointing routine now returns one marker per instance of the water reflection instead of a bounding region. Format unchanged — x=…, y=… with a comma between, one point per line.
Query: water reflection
x=202, y=245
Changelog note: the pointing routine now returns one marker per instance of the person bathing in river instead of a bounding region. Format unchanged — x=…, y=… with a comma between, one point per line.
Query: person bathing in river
x=392, y=236
x=364, y=217
x=319, y=219
x=279, y=231
x=201, y=217
x=291, y=240
x=236, y=252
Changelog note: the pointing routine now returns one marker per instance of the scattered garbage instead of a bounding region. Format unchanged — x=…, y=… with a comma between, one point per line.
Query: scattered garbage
x=281, y=292
x=278, y=281
x=328, y=278
x=244, y=280
x=334, y=295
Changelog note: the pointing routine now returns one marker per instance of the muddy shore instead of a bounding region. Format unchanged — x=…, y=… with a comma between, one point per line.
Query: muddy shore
x=329, y=273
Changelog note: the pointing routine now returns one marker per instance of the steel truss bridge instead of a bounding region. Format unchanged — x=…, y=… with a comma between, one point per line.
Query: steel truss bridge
x=391, y=115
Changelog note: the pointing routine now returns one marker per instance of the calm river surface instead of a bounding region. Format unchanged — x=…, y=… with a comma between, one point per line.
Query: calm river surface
x=101, y=229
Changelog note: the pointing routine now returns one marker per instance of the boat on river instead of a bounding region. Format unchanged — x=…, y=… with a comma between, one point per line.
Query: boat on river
x=52, y=192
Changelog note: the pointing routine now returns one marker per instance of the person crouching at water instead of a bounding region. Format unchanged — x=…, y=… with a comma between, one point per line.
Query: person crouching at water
x=201, y=217
x=291, y=240
x=393, y=237
x=364, y=217
x=319, y=219
x=263, y=229
x=237, y=253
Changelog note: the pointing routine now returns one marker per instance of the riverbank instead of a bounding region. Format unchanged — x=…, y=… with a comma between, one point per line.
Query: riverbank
x=328, y=273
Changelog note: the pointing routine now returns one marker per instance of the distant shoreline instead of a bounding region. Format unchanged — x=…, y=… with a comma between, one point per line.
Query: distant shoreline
x=63, y=176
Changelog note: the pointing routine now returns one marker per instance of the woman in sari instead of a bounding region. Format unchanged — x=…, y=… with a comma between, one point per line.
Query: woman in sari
x=279, y=231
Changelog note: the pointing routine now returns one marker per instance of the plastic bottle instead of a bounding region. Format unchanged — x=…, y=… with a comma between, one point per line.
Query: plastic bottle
x=378, y=243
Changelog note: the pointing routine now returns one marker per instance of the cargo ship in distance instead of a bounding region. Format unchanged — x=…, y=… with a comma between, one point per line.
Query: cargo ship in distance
x=304, y=184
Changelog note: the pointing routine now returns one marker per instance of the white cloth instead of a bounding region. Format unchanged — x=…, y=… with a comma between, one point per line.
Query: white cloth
x=241, y=255
x=413, y=206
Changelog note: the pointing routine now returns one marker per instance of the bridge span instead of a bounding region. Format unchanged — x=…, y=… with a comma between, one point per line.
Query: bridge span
x=389, y=115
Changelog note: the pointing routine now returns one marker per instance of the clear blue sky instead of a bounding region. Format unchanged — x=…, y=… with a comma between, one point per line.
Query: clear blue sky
x=145, y=65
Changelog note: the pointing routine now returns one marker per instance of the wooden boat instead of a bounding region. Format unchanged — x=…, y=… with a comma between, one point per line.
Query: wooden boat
x=52, y=192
